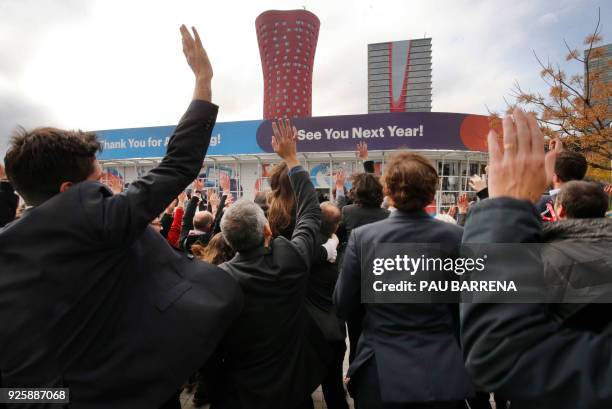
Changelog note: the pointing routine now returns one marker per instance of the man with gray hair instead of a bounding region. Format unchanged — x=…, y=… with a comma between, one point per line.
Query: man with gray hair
x=274, y=354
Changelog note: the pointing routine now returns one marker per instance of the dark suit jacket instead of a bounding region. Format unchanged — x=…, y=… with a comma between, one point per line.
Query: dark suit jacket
x=520, y=350
x=356, y=215
x=8, y=203
x=274, y=350
x=95, y=300
x=416, y=345
x=321, y=284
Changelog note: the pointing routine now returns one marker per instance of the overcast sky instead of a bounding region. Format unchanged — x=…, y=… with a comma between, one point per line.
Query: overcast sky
x=101, y=64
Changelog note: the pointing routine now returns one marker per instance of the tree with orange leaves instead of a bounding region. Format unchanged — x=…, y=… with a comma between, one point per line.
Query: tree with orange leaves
x=577, y=109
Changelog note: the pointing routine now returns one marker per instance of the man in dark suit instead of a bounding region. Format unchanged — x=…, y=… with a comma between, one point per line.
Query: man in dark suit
x=274, y=352
x=92, y=298
x=8, y=200
x=408, y=355
x=321, y=284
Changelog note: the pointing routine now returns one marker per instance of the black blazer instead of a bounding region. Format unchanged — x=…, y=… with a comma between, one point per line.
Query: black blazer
x=8, y=203
x=356, y=215
x=95, y=300
x=275, y=354
x=321, y=284
x=416, y=345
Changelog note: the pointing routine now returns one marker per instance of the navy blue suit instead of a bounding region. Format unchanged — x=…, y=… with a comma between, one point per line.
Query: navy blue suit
x=410, y=351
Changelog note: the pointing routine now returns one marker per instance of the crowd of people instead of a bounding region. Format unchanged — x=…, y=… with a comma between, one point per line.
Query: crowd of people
x=127, y=296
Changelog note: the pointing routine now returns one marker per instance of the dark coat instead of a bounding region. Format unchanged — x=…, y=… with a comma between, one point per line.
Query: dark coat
x=95, y=300
x=416, y=345
x=574, y=261
x=321, y=284
x=276, y=356
x=8, y=203
x=519, y=350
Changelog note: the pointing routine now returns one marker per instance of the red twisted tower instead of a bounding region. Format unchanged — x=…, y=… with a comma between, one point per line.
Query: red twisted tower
x=287, y=43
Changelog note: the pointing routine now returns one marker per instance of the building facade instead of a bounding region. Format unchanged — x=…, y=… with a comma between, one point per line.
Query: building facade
x=454, y=142
x=599, y=68
x=287, y=43
x=399, y=76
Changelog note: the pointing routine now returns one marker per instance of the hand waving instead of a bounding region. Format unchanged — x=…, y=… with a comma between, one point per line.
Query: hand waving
x=362, y=151
x=478, y=183
x=198, y=61
x=284, y=141
x=517, y=168
x=340, y=178
x=463, y=203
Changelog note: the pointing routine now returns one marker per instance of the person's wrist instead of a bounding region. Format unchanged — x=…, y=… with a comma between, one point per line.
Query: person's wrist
x=203, y=88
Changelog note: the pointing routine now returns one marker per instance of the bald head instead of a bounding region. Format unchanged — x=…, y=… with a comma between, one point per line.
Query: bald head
x=330, y=218
x=202, y=220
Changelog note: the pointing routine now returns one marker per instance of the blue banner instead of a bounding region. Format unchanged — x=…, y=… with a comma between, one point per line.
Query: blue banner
x=413, y=130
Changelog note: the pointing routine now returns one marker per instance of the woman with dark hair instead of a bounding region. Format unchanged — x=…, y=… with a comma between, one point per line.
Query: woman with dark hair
x=367, y=196
x=281, y=214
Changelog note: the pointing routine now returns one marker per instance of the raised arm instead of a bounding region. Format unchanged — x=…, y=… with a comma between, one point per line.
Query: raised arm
x=517, y=349
x=127, y=214
x=308, y=217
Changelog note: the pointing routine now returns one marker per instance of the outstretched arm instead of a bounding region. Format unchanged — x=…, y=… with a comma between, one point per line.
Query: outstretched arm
x=517, y=349
x=308, y=218
x=126, y=215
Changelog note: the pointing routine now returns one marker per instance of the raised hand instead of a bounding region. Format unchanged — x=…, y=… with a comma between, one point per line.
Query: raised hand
x=340, y=178
x=198, y=61
x=224, y=182
x=198, y=185
x=182, y=198
x=115, y=185
x=213, y=198
x=478, y=183
x=608, y=190
x=452, y=211
x=2, y=173
x=229, y=200
x=463, y=203
x=362, y=151
x=284, y=141
x=555, y=147
x=516, y=169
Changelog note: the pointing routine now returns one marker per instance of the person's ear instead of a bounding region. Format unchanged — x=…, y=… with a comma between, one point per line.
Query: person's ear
x=555, y=179
x=65, y=186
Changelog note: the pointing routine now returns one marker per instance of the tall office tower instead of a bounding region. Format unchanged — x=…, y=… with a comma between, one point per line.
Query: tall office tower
x=287, y=43
x=599, y=69
x=399, y=76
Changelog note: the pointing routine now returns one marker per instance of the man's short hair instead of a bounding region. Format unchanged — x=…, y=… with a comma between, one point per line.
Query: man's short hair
x=583, y=200
x=202, y=220
x=367, y=190
x=330, y=218
x=570, y=166
x=39, y=161
x=243, y=225
x=410, y=180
